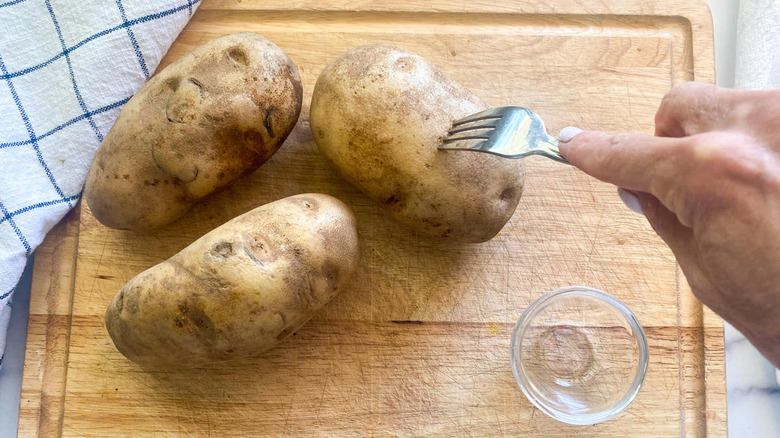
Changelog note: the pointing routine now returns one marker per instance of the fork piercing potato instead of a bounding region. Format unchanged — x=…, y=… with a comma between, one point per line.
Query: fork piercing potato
x=378, y=113
x=240, y=289
x=218, y=112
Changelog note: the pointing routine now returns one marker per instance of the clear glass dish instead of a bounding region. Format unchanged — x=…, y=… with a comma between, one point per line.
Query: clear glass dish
x=579, y=355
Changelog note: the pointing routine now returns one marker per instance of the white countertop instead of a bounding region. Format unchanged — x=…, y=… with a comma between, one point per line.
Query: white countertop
x=753, y=391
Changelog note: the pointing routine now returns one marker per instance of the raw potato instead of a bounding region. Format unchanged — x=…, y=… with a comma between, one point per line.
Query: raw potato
x=378, y=114
x=216, y=113
x=240, y=289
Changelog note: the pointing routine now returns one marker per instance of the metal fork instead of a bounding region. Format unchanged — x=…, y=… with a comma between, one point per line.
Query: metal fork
x=509, y=131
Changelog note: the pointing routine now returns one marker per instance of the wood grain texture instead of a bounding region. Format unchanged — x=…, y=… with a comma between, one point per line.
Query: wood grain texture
x=48, y=331
x=357, y=369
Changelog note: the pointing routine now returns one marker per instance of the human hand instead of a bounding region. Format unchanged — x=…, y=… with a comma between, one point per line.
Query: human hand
x=709, y=184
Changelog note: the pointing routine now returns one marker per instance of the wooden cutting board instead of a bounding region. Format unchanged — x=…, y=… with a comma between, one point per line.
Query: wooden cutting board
x=419, y=344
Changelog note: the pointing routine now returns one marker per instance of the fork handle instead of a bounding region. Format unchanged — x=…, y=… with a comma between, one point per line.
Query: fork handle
x=549, y=149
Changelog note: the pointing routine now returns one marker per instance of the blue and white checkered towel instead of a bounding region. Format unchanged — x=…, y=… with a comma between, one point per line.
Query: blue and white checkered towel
x=66, y=69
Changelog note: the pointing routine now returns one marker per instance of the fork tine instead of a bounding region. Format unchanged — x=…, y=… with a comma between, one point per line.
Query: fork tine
x=510, y=132
x=480, y=146
x=464, y=137
x=493, y=113
x=471, y=128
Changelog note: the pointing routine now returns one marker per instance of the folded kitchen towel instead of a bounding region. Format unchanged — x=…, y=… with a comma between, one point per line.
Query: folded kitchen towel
x=758, y=56
x=66, y=69
x=758, y=45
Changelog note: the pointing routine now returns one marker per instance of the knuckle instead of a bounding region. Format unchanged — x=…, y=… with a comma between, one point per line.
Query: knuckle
x=620, y=140
x=701, y=148
x=723, y=170
x=736, y=155
x=686, y=91
x=688, y=108
x=722, y=151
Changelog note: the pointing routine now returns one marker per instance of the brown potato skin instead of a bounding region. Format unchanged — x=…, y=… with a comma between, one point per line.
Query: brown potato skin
x=218, y=112
x=240, y=289
x=378, y=114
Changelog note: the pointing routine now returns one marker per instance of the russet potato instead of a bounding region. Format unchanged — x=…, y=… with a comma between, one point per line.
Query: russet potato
x=241, y=288
x=216, y=113
x=378, y=113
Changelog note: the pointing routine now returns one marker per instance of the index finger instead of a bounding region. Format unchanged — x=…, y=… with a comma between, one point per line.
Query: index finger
x=632, y=161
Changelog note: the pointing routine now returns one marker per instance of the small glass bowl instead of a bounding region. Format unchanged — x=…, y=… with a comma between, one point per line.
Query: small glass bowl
x=579, y=355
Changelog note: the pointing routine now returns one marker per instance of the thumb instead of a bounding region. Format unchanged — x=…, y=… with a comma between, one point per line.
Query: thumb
x=633, y=161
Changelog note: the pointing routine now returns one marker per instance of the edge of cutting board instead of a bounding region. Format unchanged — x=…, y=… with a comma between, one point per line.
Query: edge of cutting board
x=702, y=355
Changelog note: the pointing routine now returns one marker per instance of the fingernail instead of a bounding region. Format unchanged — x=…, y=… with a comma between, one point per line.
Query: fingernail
x=631, y=200
x=568, y=133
